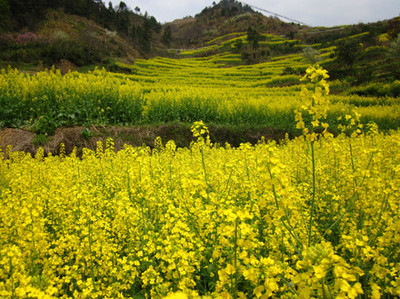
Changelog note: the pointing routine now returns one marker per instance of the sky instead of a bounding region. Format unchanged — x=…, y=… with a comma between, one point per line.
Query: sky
x=311, y=12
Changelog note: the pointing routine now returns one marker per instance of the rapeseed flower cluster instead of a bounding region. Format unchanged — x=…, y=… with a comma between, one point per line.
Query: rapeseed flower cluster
x=206, y=221
x=316, y=104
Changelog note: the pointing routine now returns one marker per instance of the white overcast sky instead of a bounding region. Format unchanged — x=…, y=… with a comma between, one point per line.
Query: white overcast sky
x=311, y=12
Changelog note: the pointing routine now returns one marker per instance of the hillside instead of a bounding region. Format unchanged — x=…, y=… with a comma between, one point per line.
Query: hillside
x=84, y=34
x=66, y=39
x=223, y=18
x=90, y=33
x=34, y=34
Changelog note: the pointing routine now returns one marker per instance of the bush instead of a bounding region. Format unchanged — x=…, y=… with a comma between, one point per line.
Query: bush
x=377, y=89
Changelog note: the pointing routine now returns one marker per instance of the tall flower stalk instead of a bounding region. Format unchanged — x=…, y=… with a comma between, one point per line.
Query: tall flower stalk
x=315, y=109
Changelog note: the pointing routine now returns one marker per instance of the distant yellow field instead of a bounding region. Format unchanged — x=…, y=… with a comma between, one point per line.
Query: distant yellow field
x=163, y=90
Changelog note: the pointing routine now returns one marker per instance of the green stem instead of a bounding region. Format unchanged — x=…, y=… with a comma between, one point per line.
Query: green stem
x=288, y=226
x=235, y=261
x=90, y=248
x=313, y=194
x=12, y=279
x=323, y=290
x=378, y=222
x=205, y=173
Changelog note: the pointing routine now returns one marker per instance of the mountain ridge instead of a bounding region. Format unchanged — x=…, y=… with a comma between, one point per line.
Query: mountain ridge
x=97, y=35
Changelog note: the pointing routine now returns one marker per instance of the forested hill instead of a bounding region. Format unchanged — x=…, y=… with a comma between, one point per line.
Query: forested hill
x=80, y=31
x=227, y=16
x=142, y=30
x=18, y=14
x=90, y=32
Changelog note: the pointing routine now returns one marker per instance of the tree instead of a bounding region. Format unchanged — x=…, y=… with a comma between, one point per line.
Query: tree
x=123, y=18
x=253, y=37
x=238, y=45
x=394, y=56
x=394, y=51
x=77, y=7
x=4, y=15
x=311, y=55
x=347, y=53
x=122, y=7
x=144, y=34
x=393, y=27
x=167, y=35
x=154, y=25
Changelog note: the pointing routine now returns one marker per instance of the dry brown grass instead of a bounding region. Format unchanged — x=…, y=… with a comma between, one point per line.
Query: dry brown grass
x=20, y=140
x=71, y=137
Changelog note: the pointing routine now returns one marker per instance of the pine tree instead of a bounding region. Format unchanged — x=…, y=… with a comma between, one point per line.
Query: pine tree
x=4, y=15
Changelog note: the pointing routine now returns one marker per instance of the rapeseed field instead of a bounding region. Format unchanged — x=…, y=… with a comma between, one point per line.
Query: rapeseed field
x=315, y=216
x=165, y=90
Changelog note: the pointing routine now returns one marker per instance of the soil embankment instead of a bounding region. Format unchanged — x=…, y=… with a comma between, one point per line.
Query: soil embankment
x=24, y=140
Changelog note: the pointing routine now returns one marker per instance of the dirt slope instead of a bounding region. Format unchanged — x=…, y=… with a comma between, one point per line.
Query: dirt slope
x=23, y=140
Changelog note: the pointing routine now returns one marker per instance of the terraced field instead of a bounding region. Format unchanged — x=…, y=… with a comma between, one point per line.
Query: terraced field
x=166, y=90
x=315, y=216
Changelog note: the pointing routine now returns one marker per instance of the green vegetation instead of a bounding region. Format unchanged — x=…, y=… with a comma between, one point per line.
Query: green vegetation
x=347, y=52
x=165, y=90
x=39, y=139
